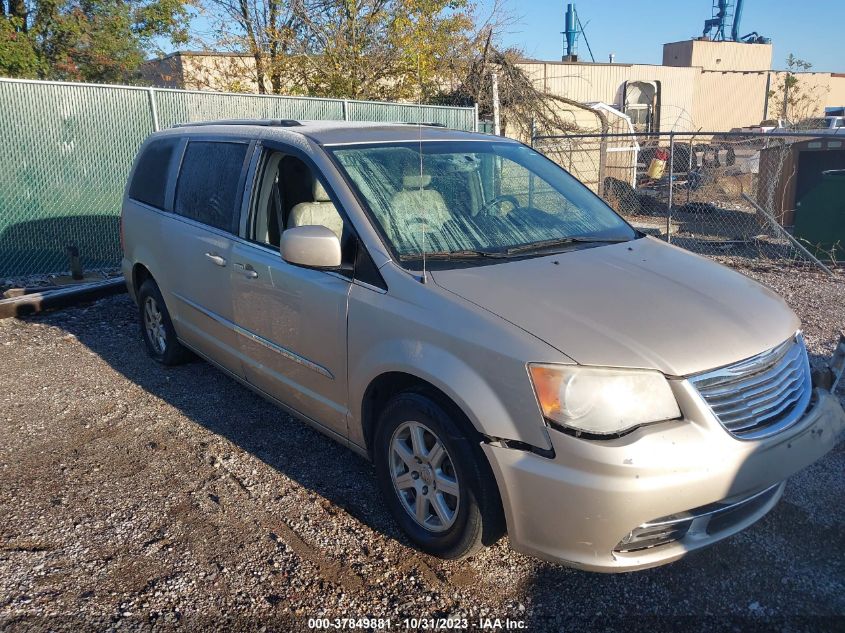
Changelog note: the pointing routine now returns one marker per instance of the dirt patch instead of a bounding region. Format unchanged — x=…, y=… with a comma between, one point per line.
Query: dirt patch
x=140, y=498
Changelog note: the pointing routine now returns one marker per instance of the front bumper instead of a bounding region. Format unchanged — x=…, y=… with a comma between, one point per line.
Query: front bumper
x=579, y=506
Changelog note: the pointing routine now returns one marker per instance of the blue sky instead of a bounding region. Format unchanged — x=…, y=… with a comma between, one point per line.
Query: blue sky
x=637, y=29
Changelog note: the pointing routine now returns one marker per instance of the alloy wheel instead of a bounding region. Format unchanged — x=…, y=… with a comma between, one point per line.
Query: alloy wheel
x=154, y=325
x=424, y=476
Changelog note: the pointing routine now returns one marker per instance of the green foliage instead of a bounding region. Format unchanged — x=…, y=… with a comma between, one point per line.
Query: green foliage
x=163, y=18
x=18, y=57
x=791, y=99
x=87, y=40
x=429, y=35
x=358, y=49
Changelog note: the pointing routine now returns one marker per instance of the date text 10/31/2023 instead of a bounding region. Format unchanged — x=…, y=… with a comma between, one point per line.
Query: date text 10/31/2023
x=418, y=624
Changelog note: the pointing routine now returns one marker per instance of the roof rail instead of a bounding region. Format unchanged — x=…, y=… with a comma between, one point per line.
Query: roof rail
x=424, y=123
x=262, y=122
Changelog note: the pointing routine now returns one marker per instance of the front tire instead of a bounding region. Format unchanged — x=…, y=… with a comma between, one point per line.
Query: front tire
x=435, y=478
x=157, y=328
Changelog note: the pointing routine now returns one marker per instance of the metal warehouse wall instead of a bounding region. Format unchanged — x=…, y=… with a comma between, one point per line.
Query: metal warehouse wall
x=836, y=96
x=604, y=82
x=66, y=150
x=728, y=100
x=823, y=89
x=582, y=159
x=720, y=56
x=691, y=98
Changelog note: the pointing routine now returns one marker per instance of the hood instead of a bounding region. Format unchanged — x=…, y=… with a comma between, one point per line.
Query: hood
x=642, y=303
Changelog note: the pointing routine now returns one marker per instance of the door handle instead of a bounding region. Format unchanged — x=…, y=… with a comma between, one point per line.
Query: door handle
x=248, y=271
x=216, y=259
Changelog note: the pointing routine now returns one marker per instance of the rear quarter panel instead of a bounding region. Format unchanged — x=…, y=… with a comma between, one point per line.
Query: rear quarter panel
x=144, y=232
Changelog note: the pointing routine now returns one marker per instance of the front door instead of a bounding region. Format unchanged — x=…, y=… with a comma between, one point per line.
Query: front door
x=291, y=321
x=292, y=325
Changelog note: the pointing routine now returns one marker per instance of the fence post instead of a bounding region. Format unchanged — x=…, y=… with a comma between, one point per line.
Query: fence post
x=689, y=167
x=779, y=229
x=346, y=109
x=475, y=110
x=671, y=185
x=153, y=108
x=531, y=173
x=494, y=78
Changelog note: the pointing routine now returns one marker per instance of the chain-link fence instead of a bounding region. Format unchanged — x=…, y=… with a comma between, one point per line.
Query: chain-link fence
x=66, y=150
x=733, y=196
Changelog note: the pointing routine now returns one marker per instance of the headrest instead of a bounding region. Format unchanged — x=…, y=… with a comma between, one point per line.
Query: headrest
x=416, y=181
x=319, y=192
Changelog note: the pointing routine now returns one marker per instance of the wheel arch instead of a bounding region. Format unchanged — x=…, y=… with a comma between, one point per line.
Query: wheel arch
x=140, y=273
x=390, y=383
x=496, y=404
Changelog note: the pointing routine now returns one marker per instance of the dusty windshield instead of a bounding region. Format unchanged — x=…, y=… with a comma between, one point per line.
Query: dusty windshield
x=474, y=197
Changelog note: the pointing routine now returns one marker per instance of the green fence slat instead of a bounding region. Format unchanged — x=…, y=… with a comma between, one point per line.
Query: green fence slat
x=66, y=151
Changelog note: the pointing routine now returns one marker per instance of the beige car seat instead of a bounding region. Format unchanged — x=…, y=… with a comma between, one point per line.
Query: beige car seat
x=319, y=212
x=414, y=204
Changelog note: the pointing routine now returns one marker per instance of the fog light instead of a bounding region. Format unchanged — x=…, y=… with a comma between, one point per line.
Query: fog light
x=653, y=535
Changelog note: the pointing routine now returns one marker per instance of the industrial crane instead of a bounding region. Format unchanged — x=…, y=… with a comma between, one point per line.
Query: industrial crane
x=729, y=13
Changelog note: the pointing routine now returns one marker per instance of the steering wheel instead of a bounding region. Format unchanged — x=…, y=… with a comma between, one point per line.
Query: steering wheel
x=505, y=197
x=417, y=219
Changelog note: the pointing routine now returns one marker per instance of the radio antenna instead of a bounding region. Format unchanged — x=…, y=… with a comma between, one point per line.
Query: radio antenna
x=423, y=278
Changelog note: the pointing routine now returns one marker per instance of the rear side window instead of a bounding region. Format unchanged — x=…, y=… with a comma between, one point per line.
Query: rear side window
x=207, y=190
x=149, y=181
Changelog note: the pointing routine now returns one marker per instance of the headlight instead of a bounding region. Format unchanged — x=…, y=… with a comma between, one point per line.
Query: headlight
x=602, y=401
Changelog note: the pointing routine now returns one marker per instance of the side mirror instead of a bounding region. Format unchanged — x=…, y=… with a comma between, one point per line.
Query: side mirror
x=313, y=246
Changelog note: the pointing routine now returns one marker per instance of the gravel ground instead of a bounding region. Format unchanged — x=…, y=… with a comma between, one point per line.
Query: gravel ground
x=137, y=498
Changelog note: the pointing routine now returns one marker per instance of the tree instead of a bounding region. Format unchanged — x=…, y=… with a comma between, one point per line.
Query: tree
x=526, y=107
x=85, y=40
x=440, y=51
x=383, y=49
x=793, y=99
x=263, y=29
x=17, y=51
x=362, y=49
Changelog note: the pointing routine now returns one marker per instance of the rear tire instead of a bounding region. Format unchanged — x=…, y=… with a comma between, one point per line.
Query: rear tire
x=157, y=328
x=435, y=479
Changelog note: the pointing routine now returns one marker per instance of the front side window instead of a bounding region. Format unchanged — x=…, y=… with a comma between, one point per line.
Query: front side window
x=473, y=197
x=207, y=189
x=289, y=194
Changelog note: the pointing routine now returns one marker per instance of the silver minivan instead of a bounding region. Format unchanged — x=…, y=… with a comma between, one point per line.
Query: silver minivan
x=511, y=354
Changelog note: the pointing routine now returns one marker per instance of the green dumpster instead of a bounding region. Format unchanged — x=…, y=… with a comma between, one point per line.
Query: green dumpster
x=820, y=216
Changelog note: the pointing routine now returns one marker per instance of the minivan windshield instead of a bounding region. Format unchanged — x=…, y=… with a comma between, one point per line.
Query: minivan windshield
x=469, y=199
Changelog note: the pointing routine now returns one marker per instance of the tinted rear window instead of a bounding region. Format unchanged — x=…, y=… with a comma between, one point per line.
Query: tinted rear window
x=149, y=182
x=207, y=190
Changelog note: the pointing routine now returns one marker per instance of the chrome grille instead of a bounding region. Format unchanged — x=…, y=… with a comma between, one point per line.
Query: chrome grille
x=762, y=395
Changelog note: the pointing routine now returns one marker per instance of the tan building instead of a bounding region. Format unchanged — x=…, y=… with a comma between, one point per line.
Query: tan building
x=203, y=70
x=654, y=96
x=593, y=158
x=710, y=55
x=702, y=85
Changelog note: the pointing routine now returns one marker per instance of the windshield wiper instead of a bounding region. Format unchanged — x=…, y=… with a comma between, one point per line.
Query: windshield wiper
x=562, y=241
x=464, y=254
x=513, y=250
